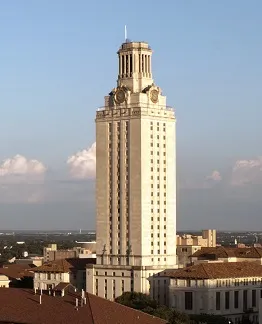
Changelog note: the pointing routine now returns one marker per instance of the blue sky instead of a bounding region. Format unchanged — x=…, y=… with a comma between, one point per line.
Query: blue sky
x=58, y=60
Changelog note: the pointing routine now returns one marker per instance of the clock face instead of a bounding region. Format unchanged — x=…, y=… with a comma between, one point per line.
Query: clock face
x=120, y=96
x=154, y=96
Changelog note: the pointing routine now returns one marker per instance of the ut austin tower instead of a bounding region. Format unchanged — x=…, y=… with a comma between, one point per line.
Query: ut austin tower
x=135, y=180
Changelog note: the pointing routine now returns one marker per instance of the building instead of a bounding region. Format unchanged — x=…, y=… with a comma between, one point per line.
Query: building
x=208, y=239
x=51, y=253
x=24, y=306
x=184, y=253
x=188, y=244
x=135, y=180
x=85, y=250
x=34, y=260
x=4, y=281
x=18, y=275
x=227, y=254
x=72, y=270
x=260, y=309
x=229, y=289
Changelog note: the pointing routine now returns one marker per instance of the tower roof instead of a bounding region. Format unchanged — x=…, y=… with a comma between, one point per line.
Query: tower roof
x=129, y=45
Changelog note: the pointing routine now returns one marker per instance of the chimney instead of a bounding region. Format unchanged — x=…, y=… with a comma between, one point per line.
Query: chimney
x=40, y=299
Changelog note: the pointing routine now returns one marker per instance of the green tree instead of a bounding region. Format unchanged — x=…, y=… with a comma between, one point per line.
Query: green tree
x=147, y=305
x=179, y=318
x=136, y=300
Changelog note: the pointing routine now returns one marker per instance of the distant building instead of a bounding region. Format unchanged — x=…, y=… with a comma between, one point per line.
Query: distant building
x=230, y=289
x=188, y=244
x=34, y=260
x=227, y=254
x=208, y=239
x=184, y=252
x=51, y=253
x=53, y=273
x=24, y=306
x=86, y=250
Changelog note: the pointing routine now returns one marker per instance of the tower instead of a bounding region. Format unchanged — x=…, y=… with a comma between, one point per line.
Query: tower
x=135, y=180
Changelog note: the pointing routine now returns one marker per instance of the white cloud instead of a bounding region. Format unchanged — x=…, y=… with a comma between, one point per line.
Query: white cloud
x=83, y=164
x=215, y=176
x=19, y=165
x=21, y=180
x=247, y=172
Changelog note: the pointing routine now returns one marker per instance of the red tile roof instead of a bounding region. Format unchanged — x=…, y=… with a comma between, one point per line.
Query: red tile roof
x=62, y=286
x=229, y=252
x=17, y=271
x=22, y=306
x=65, y=265
x=217, y=271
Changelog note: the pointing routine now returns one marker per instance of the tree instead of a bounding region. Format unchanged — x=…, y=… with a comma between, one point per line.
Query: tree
x=147, y=305
x=136, y=300
x=179, y=318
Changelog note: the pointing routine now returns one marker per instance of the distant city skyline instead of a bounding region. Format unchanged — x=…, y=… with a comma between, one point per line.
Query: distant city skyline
x=56, y=64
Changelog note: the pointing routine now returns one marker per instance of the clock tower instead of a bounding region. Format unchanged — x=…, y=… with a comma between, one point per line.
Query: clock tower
x=135, y=180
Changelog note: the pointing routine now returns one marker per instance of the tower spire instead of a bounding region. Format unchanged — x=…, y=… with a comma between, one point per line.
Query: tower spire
x=125, y=34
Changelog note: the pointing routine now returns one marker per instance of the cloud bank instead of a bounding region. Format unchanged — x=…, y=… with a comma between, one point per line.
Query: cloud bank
x=21, y=180
x=82, y=165
x=20, y=165
x=246, y=172
x=215, y=176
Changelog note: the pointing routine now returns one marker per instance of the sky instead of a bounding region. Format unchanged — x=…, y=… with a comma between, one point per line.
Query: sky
x=58, y=60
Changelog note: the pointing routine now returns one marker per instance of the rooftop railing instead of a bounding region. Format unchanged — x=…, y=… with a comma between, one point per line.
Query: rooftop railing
x=137, y=105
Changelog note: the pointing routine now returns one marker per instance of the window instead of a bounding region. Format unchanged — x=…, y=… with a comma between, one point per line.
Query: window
x=218, y=306
x=236, y=299
x=254, y=298
x=227, y=300
x=188, y=300
x=244, y=300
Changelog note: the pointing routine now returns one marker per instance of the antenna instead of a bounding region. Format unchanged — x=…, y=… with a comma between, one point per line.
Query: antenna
x=125, y=34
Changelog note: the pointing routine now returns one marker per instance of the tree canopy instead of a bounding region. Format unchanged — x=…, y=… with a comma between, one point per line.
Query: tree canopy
x=147, y=305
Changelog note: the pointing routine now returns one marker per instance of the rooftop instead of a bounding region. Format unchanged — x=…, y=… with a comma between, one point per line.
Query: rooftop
x=23, y=306
x=17, y=271
x=229, y=252
x=65, y=265
x=221, y=270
